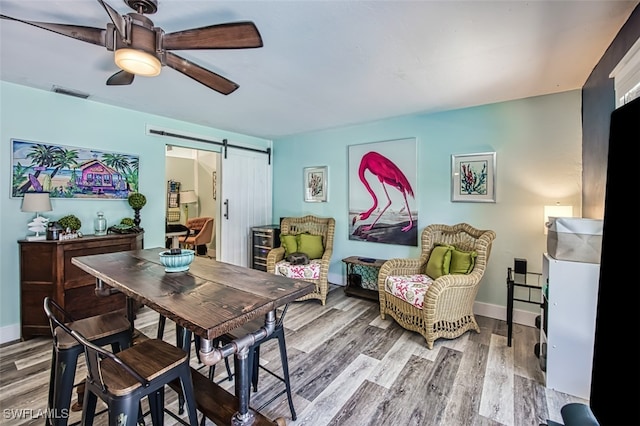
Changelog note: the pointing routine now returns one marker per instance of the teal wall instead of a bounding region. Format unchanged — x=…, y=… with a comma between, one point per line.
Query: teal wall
x=538, y=146
x=537, y=140
x=50, y=118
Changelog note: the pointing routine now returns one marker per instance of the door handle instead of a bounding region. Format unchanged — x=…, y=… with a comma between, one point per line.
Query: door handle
x=226, y=209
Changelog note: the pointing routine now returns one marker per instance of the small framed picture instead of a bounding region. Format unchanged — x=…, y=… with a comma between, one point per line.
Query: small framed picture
x=315, y=184
x=473, y=178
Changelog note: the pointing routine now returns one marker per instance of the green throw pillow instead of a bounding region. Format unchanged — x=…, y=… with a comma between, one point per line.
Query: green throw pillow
x=439, y=260
x=311, y=245
x=289, y=243
x=462, y=262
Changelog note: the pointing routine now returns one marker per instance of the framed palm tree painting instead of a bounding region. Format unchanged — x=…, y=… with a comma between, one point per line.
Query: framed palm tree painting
x=71, y=172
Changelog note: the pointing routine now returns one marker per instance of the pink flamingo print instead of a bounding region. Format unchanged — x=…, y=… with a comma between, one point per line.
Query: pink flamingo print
x=388, y=174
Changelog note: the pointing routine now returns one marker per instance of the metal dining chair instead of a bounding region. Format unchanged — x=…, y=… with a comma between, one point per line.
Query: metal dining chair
x=111, y=328
x=122, y=380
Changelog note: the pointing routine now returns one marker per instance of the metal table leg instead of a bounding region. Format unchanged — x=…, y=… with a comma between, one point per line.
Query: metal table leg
x=240, y=348
x=244, y=415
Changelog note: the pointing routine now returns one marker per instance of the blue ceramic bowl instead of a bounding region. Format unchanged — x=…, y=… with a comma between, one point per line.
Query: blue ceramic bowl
x=177, y=262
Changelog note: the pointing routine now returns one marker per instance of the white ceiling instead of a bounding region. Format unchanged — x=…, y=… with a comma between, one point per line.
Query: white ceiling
x=326, y=63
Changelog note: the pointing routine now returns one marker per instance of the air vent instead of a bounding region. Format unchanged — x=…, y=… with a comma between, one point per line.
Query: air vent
x=69, y=92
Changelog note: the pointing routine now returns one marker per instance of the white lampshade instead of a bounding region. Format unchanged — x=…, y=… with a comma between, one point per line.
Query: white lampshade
x=137, y=62
x=36, y=202
x=556, y=211
x=188, y=197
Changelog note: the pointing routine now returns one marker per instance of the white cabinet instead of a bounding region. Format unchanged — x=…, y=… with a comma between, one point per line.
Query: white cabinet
x=568, y=324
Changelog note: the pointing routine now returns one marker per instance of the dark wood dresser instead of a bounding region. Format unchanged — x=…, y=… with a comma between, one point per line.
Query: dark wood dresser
x=46, y=270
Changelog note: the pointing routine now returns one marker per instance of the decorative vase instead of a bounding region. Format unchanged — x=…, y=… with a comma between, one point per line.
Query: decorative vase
x=100, y=224
x=53, y=231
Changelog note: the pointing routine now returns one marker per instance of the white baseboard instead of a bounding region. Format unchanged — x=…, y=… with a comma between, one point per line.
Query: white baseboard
x=500, y=313
x=479, y=308
x=9, y=333
x=485, y=309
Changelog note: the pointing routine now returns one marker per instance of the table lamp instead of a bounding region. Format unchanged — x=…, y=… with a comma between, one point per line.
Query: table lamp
x=37, y=202
x=186, y=198
x=556, y=211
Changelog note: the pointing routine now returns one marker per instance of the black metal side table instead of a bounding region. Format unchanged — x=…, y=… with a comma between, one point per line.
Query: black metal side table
x=530, y=281
x=362, y=276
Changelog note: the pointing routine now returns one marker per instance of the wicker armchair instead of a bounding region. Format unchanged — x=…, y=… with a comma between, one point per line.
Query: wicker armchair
x=314, y=226
x=447, y=309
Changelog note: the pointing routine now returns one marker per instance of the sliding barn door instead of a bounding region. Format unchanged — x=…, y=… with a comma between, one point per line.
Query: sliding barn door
x=245, y=202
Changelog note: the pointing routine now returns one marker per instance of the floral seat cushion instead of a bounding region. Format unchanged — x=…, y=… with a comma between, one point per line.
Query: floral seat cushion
x=410, y=288
x=311, y=271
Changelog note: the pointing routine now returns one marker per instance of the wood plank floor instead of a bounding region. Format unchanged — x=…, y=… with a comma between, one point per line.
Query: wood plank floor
x=347, y=366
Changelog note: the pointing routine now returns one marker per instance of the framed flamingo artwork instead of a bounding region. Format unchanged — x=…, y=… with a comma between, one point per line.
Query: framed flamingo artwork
x=473, y=177
x=382, y=191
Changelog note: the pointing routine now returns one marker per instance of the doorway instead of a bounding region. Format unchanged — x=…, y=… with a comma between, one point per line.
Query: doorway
x=234, y=188
x=193, y=170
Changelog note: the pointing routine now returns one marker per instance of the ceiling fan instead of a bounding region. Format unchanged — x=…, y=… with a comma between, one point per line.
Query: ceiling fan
x=141, y=48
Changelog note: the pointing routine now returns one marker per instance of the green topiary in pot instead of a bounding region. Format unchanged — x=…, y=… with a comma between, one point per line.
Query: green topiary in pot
x=137, y=201
x=70, y=221
x=127, y=221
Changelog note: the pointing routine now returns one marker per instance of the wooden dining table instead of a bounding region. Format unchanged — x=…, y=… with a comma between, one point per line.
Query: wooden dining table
x=209, y=300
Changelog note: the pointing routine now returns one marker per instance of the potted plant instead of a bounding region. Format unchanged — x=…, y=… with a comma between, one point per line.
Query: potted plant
x=70, y=222
x=137, y=202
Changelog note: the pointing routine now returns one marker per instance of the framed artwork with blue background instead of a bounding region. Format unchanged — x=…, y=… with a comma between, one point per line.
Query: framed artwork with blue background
x=71, y=172
x=473, y=177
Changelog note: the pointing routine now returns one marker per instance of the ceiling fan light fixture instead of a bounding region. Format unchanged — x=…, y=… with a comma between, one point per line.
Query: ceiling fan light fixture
x=137, y=62
x=141, y=48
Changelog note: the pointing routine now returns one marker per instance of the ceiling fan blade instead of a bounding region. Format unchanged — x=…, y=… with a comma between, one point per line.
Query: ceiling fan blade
x=88, y=34
x=116, y=18
x=199, y=74
x=233, y=35
x=121, y=78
